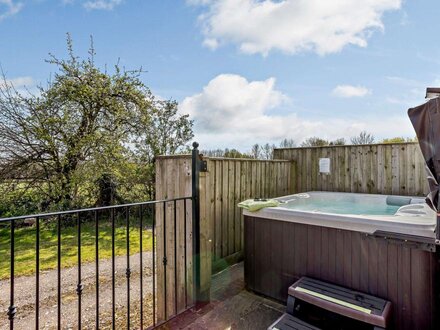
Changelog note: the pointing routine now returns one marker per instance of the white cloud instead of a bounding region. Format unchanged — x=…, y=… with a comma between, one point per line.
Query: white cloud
x=347, y=91
x=19, y=82
x=233, y=112
x=211, y=43
x=410, y=92
x=292, y=26
x=406, y=82
x=9, y=8
x=231, y=102
x=101, y=4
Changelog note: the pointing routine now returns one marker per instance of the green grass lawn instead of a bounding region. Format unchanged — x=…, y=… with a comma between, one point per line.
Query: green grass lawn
x=25, y=246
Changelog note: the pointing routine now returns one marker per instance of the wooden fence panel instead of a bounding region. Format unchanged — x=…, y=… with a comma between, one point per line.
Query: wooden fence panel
x=174, y=283
x=396, y=169
x=222, y=187
x=234, y=180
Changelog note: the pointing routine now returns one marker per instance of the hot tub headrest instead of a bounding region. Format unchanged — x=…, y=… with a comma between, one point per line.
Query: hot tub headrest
x=398, y=200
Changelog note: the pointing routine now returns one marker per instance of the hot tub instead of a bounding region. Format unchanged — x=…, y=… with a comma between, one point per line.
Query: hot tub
x=364, y=213
x=378, y=244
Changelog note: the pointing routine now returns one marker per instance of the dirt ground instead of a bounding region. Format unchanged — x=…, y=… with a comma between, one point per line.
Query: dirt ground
x=25, y=296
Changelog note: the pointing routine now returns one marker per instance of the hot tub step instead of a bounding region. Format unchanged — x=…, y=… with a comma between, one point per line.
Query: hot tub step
x=289, y=322
x=343, y=301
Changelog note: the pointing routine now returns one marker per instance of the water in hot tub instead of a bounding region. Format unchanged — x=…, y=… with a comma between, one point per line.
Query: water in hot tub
x=342, y=205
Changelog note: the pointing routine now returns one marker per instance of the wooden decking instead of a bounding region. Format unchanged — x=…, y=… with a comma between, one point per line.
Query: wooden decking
x=231, y=306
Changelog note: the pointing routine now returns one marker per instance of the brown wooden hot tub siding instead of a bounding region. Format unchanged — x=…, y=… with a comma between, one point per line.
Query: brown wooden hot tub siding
x=277, y=253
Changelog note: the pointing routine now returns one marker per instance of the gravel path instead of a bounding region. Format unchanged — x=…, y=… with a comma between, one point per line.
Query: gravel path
x=25, y=296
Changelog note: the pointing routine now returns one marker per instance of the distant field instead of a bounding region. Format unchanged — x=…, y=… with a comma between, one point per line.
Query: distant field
x=25, y=239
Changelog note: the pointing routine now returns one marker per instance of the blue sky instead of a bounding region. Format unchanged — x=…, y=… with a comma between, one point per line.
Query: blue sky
x=247, y=71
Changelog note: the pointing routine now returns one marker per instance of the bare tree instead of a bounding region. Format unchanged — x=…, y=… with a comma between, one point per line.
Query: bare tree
x=213, y=153
x=288, y=143
x=256, y=151
x=363, y=138
x=267, y=151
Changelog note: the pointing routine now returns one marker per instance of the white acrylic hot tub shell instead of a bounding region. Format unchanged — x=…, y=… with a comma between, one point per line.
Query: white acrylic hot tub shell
x=411, y=224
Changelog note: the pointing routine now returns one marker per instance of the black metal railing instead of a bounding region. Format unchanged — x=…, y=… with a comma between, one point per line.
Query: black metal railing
x=142, y=215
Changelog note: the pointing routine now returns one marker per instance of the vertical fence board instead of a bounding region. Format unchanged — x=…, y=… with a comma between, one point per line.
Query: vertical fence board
x=172, y=177
x=237, y=214
x=231, y=206
x=180, y=243
x=206, y=229
x=189, y=227
x=244, y=192
x=225, y=213
x=388, y=171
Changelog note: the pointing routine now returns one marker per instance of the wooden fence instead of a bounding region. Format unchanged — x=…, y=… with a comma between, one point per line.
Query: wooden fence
x=225, y=183
x=385, y=169
x=397, y=169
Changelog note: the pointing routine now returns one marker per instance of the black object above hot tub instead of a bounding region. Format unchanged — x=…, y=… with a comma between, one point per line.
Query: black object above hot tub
x=426, y=121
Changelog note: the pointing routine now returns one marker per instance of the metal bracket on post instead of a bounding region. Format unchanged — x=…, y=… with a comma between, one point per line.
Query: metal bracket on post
x=203, y=165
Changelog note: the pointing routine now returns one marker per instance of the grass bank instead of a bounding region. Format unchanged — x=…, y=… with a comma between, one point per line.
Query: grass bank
x=25, y=251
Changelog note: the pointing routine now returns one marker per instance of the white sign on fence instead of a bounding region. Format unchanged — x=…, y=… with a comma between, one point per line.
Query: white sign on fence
x=324, y=165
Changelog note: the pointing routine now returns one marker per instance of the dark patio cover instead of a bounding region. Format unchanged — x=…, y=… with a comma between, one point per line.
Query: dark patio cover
x=426, y=121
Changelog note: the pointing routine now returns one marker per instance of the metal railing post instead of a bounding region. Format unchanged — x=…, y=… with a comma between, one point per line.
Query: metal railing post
x=12, y=310
x=196, y=221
